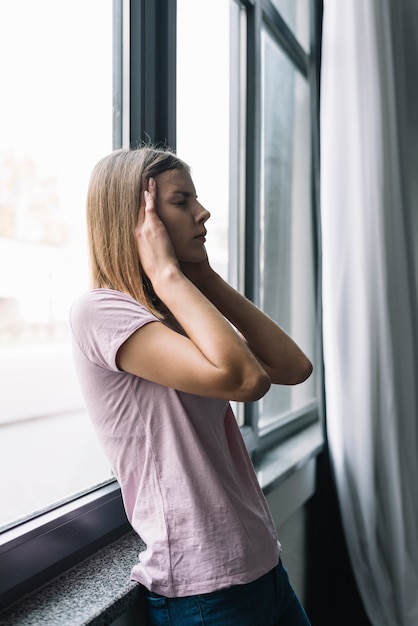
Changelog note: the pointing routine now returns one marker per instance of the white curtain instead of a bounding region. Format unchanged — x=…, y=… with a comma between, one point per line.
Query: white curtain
x=369, y=203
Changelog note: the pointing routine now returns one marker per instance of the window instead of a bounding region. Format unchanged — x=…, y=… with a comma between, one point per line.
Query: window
x=55, y=123
x=213, y=88
x=228, y=84
x=286, y=247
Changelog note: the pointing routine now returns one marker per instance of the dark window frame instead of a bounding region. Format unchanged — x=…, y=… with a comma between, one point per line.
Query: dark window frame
x=37, y=549
x=262, y=13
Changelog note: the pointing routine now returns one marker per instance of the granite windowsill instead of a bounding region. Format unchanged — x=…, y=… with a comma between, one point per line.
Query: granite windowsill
x=95, y=592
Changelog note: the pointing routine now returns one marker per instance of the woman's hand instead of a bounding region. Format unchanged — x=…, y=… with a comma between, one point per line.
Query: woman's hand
x=197, y=273
x=155, y=250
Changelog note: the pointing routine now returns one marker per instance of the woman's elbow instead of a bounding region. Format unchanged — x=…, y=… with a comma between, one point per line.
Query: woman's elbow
x=254, y=387
x=301, y=372
x=292, y=374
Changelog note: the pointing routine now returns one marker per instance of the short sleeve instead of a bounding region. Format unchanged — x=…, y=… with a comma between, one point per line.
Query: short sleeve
x=102, y=320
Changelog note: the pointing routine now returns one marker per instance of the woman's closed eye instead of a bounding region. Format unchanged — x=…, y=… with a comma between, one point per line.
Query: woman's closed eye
x=181, y=198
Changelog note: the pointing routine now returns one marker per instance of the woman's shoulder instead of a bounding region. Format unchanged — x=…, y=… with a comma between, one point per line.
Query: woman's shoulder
x=106, y=302
x=103, y=295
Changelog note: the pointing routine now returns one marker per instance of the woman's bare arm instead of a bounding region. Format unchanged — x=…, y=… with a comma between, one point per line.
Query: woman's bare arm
x=278, y=354
x=211, y=359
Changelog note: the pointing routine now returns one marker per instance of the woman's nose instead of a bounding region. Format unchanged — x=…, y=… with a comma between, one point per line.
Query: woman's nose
x=202, y=214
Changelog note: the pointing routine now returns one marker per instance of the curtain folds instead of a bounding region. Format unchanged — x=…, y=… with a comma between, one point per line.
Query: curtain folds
x=369, y=204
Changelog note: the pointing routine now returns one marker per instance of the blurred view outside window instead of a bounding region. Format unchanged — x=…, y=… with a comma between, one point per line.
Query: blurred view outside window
x=55, y=123
x=203, y=112
x=286, y=262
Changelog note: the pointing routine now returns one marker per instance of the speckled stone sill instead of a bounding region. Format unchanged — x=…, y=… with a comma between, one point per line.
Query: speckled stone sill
x=98, y=590
x=95, y=592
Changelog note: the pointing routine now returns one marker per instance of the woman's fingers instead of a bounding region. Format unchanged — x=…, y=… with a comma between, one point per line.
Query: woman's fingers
x=155, y=249
x=150, y=196
x=145, y=202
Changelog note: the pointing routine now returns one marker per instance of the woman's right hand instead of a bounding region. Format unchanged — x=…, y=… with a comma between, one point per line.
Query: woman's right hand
x=155, y=250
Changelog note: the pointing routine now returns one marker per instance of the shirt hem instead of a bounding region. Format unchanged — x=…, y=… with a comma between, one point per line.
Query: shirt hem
x=208, y=586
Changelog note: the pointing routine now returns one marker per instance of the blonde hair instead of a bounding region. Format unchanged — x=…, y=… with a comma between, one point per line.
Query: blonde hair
x=113, y=200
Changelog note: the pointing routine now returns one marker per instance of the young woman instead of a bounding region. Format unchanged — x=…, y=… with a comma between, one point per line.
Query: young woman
x=161, y=345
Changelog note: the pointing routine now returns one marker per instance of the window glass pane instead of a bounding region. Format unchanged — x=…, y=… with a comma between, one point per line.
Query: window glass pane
x=203, y=106
x=55, y=123
x=297, y=16
x=211, y=122
x=286, y=277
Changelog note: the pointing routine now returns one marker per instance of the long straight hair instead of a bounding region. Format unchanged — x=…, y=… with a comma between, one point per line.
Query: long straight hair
x=113, y=201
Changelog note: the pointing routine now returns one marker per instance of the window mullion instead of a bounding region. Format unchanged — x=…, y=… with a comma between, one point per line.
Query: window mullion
x=252, y=182
x=153, y=72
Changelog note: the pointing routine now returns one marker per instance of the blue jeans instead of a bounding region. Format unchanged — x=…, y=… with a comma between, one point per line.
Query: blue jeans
x=268, y=601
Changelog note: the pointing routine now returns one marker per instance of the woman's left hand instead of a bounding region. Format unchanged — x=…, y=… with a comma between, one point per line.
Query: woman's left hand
x=198, y=273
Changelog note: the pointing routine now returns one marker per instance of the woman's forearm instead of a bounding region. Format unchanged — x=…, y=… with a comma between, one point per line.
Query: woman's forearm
x=280, y=356
x=208, y=329
x=216, y=351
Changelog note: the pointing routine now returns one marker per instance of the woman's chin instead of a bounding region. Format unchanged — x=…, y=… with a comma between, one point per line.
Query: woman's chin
x=196, y=257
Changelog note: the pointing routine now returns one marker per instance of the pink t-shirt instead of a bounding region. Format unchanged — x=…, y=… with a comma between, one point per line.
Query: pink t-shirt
x=187, y=481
